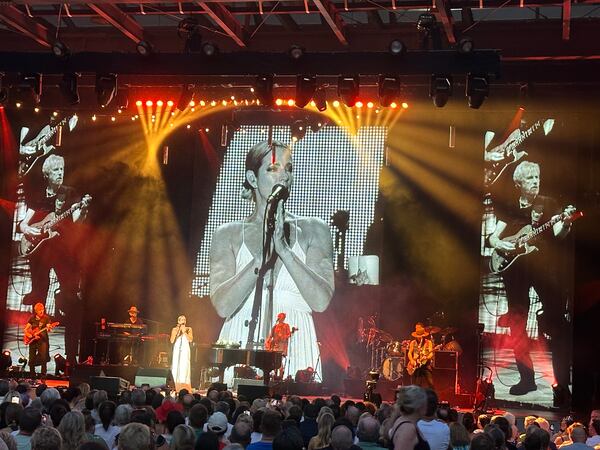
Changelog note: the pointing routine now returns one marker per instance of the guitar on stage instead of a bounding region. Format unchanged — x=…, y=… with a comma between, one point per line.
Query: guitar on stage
x=421, y=360
x=36, y=148
x=35, y=334
x=507, y=154
x=524, y=239
x=30, y=243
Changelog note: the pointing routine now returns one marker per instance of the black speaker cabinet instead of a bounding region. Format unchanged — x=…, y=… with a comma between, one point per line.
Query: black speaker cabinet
x=444, y=382
x=154, y=377
x=252, y=392
x=112, y=385
x=445, y=360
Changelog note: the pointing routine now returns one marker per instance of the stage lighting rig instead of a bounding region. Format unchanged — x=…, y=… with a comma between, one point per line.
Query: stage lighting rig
x=60, y=364
x=263, y=89
x=188, y=30
x=186, y=96
x=296, y=52
x=298, y=130
x=61, y=50
x=306, y=85
x=106, y=88
x=440, y=89
x=397, y=47
x=29, y=88
x=5, y=360
x=320, y=98
x=477, y=89
x=69, y=89
x=465, y=45
x=348, y=89
x=389, y=89
x=144, y=48
x=430, y=31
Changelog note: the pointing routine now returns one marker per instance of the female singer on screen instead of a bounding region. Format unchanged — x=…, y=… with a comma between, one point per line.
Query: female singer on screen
x=302, y=276
x=181, y=336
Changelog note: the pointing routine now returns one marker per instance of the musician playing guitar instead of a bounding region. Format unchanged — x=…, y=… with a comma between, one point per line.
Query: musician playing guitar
x=60, y=252
x=278, y=339
x=420, y=354
x=39, y=349
x=538, y=269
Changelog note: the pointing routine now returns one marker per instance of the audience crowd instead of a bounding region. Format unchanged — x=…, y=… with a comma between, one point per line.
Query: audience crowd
x=80, y=418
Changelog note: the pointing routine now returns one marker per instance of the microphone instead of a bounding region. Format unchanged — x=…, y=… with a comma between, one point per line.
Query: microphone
x=280, y=192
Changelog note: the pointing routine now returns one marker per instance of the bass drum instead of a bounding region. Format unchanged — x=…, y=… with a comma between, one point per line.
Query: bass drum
x=392, y=368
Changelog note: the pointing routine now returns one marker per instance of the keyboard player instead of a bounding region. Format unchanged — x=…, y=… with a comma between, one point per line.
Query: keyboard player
x=133, y=351
x=133, y=316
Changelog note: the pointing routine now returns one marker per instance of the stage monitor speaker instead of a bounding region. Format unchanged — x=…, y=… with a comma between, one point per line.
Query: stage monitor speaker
x=253, y=392
x=154, y=377
x=83, y=372
x=112, y=385
x=444, y=381
x=220, y=387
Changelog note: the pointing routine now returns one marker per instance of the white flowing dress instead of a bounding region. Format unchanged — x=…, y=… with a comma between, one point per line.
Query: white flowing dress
x=181, y=362
x=303, y=350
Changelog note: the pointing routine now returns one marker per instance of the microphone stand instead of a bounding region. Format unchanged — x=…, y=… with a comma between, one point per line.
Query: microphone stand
x=268, y=261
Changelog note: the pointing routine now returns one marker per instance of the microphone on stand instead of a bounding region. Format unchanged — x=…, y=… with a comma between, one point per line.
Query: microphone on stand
x=280, y=192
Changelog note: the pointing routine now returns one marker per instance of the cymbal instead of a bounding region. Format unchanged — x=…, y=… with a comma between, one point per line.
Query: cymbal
x=433, y=329
x=376, y=333
x=449, y=330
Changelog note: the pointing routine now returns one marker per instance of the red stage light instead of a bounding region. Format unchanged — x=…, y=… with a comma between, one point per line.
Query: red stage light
x=291, y=102
x=279, y=102
x=149, y=103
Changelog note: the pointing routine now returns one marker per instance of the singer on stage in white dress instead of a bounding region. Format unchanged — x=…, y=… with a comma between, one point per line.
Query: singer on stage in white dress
x=302, y=275
x=181, y=336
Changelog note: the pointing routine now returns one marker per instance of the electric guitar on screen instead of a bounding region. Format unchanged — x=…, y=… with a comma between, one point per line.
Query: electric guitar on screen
x=506, y=154
x=523, y=240
x=35, y=334
x=30, y=243
x=36, y=148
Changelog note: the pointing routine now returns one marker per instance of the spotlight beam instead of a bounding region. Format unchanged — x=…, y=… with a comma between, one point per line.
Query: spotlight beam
x=223, y=17
x=26, y=25
x=333, y=19
x=118, y=19
x=444, y=15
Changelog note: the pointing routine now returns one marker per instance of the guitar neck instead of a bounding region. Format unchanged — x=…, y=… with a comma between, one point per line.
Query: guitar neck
x=541, y=229
x=524, y=135
x=62, y=216
x=52, y=131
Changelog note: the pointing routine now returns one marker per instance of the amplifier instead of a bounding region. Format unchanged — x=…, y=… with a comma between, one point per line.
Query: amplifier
x=445, y=360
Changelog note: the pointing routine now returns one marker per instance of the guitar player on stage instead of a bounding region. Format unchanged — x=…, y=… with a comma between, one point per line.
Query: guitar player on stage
x=61, y=252
x=278, y=340
x=420, y=354
x=39, y=349
x=540, y=270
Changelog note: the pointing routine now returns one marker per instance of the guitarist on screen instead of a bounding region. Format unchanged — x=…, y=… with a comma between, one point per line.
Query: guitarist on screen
x=60, y=252
x=39, y=349
x=420, y=354
x=538, y=269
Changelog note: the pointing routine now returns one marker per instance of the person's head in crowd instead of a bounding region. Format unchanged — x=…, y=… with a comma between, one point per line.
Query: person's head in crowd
x=4, y=387
x=138, y=398
x=577, y=434
x=443, y=412
x=208, y=404
x=241, y=433
x=57, y=411
x=528, y=421
x=336, y=400
x=157, y=401
x=468, y=421
x=497, y=435
x=536, y=438
x=270, y=424
x=213, y=394
x=89, y=421
x=150, y=393
x=12, y=415
x=345, y=422
x=182, y=393
x=482, y=441
x=325, y=423
x=174, y=418
x=72, y=394
x=184, y=438
x=92, y=445
x=48, y=397
x=144, y=416
x=72, y=430
x=288, y=439
x=319, y=403
x=8, y=439
x=482, y=421
x=432, y=402
x=368, y=429
x=89, y=399
x=594, y=428
x=233, y=446
x=310, y=411
x=29, y=421
x=352, y=414
x=46, y=438
x=106, y=412
x=503, y=424
x=459, y=436
x=207, y=441
x=341, y=438
x=370, y=407
x=198, y=416
x=222, y=407
x=257, y=404
x=123, y=414
x=295, y=414
x=99, y=397
x=135, y=436
x=84, y=388
x=217, y=424
x=595, y=415
x=566, y=422
x=542, y=423
x=257, y=420
x=384, y=412
x=239, y=410
x=411, y=400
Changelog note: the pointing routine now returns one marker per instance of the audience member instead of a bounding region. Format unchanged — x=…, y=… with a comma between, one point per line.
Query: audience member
x=184, y=438
x=411, y=403
x=241, y=433
x=367, y=432
x=269, y=427
x=435, y=431
x=46, y=438
x=135, y=436
x=30, y=420
x=288, y=439
x=325, y=421
x=72, y=430
x=459, y=436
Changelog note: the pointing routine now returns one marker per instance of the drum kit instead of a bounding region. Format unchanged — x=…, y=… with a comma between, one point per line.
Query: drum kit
x=389, y=355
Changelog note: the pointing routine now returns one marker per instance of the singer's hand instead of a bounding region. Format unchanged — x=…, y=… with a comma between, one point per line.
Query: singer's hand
x=279, y=243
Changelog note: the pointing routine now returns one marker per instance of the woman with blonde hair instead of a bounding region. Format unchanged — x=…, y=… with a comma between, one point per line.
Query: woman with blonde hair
x=324, y=424
x=72, y=430
x=410, y=407
x=184, y=438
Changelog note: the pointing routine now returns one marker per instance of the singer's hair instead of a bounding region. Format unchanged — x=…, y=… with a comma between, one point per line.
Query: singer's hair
x=254, y=159
x=51, y=162
x=524, y=169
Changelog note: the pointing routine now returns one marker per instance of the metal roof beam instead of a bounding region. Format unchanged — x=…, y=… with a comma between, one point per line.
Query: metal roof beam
x=330, y=15
x=445, y=16
x=26, y=25
x=118, y=19
x=566, y=20
x=223, y=17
